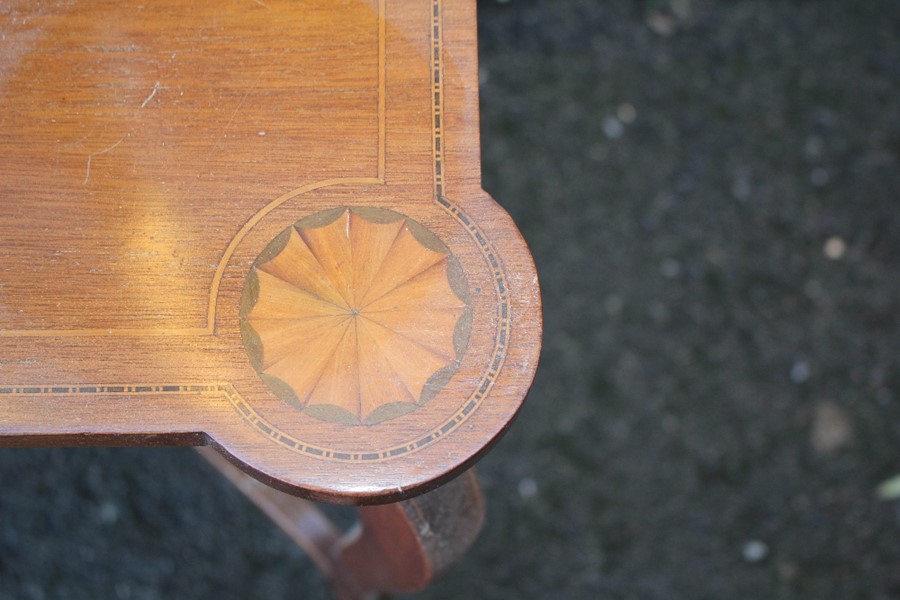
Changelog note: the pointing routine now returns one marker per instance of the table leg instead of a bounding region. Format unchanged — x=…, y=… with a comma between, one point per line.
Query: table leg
x=394, y=548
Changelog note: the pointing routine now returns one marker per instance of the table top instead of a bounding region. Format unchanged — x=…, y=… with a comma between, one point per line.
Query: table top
x=258, y=225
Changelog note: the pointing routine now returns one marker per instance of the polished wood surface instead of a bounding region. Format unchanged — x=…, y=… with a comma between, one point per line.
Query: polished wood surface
x=355, y=319
x=258, y=226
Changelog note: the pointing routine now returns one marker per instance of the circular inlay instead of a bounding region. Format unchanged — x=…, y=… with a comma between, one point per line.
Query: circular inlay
x=355, y=315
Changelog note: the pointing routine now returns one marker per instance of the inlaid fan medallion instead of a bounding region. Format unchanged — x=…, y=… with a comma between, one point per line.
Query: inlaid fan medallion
x=355, y=315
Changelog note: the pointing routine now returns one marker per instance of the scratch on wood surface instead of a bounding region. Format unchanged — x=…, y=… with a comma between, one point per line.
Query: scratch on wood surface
x=87, y=174
x=234, y=114
x=150, y=97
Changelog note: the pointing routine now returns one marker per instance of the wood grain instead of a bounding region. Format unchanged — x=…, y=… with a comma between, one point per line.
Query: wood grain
x=159, y=161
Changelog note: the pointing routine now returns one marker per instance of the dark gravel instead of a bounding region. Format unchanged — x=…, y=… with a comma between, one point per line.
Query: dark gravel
x=710, y=193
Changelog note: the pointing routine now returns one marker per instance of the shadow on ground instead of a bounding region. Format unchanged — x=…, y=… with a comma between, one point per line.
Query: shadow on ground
x=710, y=192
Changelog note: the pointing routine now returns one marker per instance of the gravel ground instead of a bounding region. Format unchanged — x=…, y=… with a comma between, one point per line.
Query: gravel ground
x=710, y=193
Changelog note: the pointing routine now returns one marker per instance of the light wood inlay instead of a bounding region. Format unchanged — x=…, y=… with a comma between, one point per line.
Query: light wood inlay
x=351, y=319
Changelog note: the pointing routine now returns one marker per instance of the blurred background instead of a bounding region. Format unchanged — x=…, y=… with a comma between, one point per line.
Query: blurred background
x=710, y=190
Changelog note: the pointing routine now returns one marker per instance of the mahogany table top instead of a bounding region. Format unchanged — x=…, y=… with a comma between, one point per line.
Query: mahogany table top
x=257, y=225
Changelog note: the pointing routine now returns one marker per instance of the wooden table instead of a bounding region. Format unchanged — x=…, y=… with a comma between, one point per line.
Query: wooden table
x=258, y=226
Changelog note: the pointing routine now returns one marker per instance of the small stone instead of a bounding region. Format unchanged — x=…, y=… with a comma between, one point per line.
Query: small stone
x=613, y=305
x=787, y=571
x=34, y=591
x=681, y=8
x=87, y=553
x=613, y=128
x=109, y=513
x=814, y=290
x=889, y=489
x=801, y=503
x=835, y=248
x=626, y=113
x=619, y=429
x=528, y=488
x=813, y=147
x=877, y=376
x=123, y=590
x=800, y=371
x=831, y=428
x=684, y=183
x=819, y=177
x=670, y=268
x=597, y=152
x=740, y=188
x=659, y=312
x=755, y=551
x=660, y=23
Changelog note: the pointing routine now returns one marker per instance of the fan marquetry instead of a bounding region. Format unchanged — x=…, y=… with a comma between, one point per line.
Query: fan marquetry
x=355, y=315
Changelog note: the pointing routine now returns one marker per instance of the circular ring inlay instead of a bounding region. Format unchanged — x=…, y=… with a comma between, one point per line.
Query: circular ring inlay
x=355, y=315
